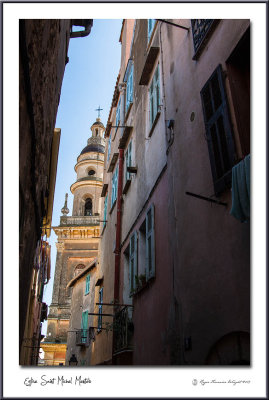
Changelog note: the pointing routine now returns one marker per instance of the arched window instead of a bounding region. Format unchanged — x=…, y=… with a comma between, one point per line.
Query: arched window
x=91, y=172
x=88, y=207
x=96, y=132
x=78, y=269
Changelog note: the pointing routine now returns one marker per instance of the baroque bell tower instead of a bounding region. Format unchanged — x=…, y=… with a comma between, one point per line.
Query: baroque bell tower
x=77, y=241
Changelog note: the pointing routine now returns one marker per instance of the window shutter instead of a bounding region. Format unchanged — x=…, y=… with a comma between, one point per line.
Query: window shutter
x=218, y=130
x=84, y=326
x=118, y=113
x=128, y=160
x=150, y=243
x=157, y=89
x=151, y=23
x=129, y=89
x=151, y=103
x=133, y=261
x=105, y=211
x=87, y=288
x=100, y=307
x=109, y=148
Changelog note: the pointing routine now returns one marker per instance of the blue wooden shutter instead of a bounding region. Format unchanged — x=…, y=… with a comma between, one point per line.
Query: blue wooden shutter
x=151, y=23
x=150, y=243
x=128, y=160
x=118, y=113
x=114, y=186
x=129, y=89
x=218, y=130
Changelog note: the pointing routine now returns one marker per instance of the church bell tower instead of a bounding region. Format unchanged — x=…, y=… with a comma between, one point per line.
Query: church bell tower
x=77, y=241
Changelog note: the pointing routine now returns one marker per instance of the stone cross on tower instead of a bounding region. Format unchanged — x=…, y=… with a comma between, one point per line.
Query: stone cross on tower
x=99, y=109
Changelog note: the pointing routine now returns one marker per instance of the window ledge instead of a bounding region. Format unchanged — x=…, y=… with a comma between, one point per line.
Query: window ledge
x=149, y=64
x=142, y=287
x=103, y=230
x=128, y=112
x=154, y=123
x=126, y=186
x=113, y=206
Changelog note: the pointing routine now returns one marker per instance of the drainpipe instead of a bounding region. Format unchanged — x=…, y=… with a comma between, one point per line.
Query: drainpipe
x=86, y=23
x=118, y=227
x=118, y=224
x=119, y=202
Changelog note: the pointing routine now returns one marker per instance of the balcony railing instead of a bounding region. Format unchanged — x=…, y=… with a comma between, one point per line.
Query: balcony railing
x=80, y=220
x=123, y=330
x=84, y=337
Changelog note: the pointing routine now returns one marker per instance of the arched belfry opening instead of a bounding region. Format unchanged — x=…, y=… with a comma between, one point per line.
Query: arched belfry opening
x=88, y=207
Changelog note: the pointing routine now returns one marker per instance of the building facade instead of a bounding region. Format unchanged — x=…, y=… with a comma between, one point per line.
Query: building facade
x=175, y=260
x=43, y=49
x=77, y=248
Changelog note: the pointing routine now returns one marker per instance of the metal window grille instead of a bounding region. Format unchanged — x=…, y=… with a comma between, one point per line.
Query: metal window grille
x=200, y=28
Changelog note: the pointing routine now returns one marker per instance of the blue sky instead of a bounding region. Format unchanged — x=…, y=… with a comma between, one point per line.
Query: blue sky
x=89, y=81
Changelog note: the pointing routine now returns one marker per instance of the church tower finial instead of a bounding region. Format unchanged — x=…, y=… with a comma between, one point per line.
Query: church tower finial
x=65, y=209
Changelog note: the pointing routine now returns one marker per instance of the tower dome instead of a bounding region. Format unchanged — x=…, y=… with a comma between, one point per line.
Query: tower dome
x=96, y=143
x=89, y=168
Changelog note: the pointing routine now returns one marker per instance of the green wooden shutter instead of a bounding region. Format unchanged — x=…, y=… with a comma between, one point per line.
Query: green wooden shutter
x=150, y=243
x=218, y=130
x=87, y=288
x=84, y=326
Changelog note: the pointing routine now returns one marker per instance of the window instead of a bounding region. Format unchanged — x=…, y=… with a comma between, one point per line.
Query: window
x=91, y=172
x=100, y=309
x=128, y=158
x=105, y=212
x=108, y=148
x=118, y=113
x=150, y=243
x=87, y=288
x=88, y=207
x=84, y=326
x=200, y=27
x=154, y=96
x=133, y=273
x=114, y=186
x=151, y=23
x=218, y=130
x=129, y=87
